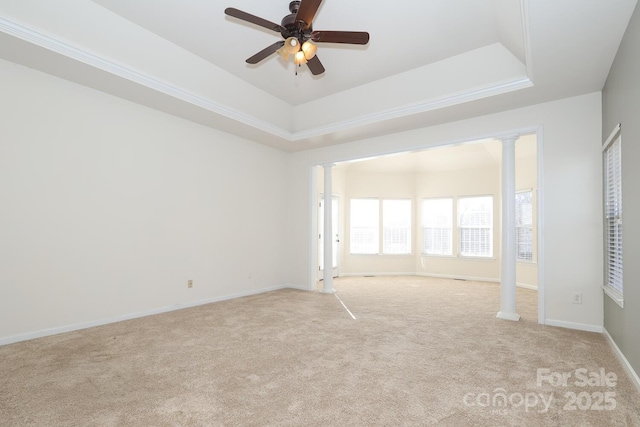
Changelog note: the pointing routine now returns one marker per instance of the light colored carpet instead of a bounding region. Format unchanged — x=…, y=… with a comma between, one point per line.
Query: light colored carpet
x=421, y=352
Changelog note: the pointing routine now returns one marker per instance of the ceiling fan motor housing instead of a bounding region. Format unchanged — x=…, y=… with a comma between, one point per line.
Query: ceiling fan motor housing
x=293, y=28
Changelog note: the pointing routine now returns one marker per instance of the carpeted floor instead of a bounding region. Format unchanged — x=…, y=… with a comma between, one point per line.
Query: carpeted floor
x=421, y=352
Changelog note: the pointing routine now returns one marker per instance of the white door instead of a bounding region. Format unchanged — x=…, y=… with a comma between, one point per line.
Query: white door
x=336, y=239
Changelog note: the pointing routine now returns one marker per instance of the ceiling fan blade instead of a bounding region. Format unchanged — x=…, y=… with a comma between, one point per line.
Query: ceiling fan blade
x=315, y=66
x=253, y=19
x=265, y=52
x=349, y=37
x=307, y=11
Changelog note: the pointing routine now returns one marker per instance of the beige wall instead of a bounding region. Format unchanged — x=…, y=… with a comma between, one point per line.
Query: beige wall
x=467, y=182
x=383, y=186
x=108, y=208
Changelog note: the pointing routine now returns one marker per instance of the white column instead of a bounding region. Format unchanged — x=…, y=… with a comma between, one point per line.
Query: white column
x=327, y=285
x=508, y=276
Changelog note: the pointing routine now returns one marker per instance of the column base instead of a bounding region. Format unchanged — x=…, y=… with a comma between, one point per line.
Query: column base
x=328, y=291
x=508, y=316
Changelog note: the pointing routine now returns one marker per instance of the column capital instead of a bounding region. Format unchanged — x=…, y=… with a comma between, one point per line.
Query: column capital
x=509, y=138
x=328, y=165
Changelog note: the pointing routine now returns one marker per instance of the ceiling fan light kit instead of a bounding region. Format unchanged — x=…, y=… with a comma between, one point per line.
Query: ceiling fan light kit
x=291, y=45
x=299, y=58
x=296, y=29
x=309, y=49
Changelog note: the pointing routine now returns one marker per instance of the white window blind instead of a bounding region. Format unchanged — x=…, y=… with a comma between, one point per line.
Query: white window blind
x=365, y=226
x=396, y=226
x=524, y=225
x=437, y=226
x=613, y=213
x=475, y=226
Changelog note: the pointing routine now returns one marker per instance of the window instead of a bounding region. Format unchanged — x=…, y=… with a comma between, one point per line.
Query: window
x=437, y=226
x=365, y=226
x=612, y=156
x=396, y=226
x=524, y=225
x=475, y=226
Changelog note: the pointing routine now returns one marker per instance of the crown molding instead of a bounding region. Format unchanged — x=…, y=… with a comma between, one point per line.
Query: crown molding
x=526, y=33
x=69, y=50
x=62, y=47
x=517, y=83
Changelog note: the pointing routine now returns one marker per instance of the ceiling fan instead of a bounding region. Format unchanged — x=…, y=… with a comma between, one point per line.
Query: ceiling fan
x=298, y=34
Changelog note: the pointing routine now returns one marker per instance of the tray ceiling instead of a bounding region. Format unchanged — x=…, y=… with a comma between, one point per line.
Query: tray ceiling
x=427, y=61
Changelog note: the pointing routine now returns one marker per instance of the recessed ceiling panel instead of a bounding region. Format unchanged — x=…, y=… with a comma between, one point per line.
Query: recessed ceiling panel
x=404, y=35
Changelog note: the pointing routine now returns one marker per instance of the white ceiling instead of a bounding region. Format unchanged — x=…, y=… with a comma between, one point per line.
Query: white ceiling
x=428, y=61
x=403, y=37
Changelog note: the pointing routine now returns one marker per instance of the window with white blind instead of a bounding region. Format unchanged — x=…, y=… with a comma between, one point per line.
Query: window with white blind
x=475, y=226
x=437, y=226
x=612, y=157
x=396, y=226
x=365, y=226
x=368, y=221
x=524, y=225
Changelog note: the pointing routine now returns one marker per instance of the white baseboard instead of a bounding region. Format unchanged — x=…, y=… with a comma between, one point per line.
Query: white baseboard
x=84, y=325
x=573, y=325
x=454, y=277
x=299, y=287
x=440, y=276
x=383, y=274
x=633, y=375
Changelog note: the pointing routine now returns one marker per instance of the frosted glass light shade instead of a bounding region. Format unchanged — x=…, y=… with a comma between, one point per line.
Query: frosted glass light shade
x=299, y=58
x=292, y=45
x=283, y=53
x=309, y=49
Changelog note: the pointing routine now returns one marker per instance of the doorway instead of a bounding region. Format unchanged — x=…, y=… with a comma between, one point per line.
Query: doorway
x=336, y=237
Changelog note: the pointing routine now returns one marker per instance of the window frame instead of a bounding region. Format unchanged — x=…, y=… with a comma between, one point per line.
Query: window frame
x=409, y=233
x=424, y=228
x=612, y=215
x=377, y=231
x=527, y=226
x=381, y=228
x=490, y=227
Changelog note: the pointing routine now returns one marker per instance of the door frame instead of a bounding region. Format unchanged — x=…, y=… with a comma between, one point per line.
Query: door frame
x=336, y=231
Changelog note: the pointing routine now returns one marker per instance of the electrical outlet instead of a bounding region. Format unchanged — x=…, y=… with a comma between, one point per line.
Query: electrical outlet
x=190, y=284
x=576, y=297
